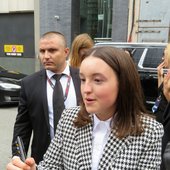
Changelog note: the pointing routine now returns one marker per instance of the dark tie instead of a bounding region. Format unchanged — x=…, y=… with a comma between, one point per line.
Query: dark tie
x=58, y=100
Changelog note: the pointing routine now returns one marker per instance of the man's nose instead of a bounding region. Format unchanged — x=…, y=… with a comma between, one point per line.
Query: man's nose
x=46, y=54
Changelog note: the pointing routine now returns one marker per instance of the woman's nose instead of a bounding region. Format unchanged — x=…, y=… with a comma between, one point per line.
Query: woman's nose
x=86, y=87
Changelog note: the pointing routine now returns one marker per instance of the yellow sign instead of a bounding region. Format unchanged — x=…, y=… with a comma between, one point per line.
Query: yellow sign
x=13, y=48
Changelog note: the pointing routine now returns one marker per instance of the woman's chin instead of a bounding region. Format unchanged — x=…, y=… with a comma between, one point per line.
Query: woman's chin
x=90, y=110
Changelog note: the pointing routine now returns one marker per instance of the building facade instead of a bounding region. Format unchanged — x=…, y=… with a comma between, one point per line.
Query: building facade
x=24, y=21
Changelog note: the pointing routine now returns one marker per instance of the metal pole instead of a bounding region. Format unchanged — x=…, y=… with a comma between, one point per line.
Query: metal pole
x=36, y=32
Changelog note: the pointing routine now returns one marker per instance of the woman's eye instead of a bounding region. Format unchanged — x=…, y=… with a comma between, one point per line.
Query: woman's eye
x=82, y=79
x=98, y=80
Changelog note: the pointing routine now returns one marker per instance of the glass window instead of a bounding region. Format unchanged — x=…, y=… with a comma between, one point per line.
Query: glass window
x=96, y=18
x=153, y=57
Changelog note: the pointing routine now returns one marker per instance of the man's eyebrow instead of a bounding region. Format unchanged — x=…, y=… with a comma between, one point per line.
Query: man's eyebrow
x=48, y=49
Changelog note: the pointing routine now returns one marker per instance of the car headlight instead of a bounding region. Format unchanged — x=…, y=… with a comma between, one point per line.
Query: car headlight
x=9, y=86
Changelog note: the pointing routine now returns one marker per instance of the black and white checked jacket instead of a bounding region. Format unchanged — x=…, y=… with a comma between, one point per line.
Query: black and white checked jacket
x=71, y=148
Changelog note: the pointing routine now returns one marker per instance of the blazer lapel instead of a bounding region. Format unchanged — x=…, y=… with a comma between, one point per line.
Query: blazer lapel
x=84, y=147
x=112, y=149
x=44, y=96
x=76, y=81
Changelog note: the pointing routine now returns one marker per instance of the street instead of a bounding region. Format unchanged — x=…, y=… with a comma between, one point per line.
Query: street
x=7, y=118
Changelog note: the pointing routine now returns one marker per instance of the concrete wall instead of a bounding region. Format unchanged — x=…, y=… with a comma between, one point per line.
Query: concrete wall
x=55, y=15
x=62, y=16
x=120, y=20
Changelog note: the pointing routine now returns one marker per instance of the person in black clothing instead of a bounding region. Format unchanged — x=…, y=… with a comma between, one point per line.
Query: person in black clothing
x=162, y=105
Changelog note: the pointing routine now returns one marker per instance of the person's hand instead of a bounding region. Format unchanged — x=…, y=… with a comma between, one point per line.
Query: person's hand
x=166, y=86
x=160, y=73
x=17, y=164
x=160, y=68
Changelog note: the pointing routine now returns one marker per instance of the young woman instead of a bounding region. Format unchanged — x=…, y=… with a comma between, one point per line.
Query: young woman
x=111, y=129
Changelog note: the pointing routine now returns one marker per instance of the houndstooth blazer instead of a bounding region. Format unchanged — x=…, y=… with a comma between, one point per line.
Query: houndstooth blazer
x=71, y=148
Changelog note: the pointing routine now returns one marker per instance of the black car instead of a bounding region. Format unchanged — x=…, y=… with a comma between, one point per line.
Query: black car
x=9, y=86
x=147, y=57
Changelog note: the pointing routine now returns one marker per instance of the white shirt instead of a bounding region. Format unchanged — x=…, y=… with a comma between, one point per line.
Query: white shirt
x=70, y=101
x=101, y=131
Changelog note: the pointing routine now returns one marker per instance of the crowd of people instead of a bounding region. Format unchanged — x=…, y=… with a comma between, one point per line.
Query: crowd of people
x=101, y=122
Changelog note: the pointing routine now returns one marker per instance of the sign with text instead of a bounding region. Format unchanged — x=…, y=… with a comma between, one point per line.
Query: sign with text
x=13, y=50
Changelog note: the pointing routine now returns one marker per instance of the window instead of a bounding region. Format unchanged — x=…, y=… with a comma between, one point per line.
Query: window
x=153, y=57
x=96, y=18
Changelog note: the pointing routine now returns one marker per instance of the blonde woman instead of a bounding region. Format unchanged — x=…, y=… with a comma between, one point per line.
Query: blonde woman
x=80, y=44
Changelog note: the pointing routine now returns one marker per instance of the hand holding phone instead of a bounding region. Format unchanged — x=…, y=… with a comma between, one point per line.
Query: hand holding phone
x=20, y=148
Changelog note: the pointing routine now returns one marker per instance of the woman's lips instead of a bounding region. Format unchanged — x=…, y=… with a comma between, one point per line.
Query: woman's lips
x=89, y=100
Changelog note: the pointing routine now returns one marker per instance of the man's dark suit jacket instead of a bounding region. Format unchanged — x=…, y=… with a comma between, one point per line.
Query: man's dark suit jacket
x=163, y=116
x=166, y=137
x=33, y=113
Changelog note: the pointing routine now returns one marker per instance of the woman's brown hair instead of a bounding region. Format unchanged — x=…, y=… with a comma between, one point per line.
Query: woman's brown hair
x=81, y=41
x=130, y=100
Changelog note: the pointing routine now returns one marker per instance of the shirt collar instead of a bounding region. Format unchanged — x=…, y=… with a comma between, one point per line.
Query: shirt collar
x=65, y=72
x=96, y=121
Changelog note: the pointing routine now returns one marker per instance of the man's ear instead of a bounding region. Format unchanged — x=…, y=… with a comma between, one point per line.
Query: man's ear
x=67, y=51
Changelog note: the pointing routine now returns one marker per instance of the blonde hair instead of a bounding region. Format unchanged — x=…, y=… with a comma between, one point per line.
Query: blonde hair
x=168, y=54
x=80, y=41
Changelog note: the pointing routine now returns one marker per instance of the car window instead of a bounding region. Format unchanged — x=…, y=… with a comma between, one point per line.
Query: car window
x=147, y=56
x=137, y=54
x=153, y=57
